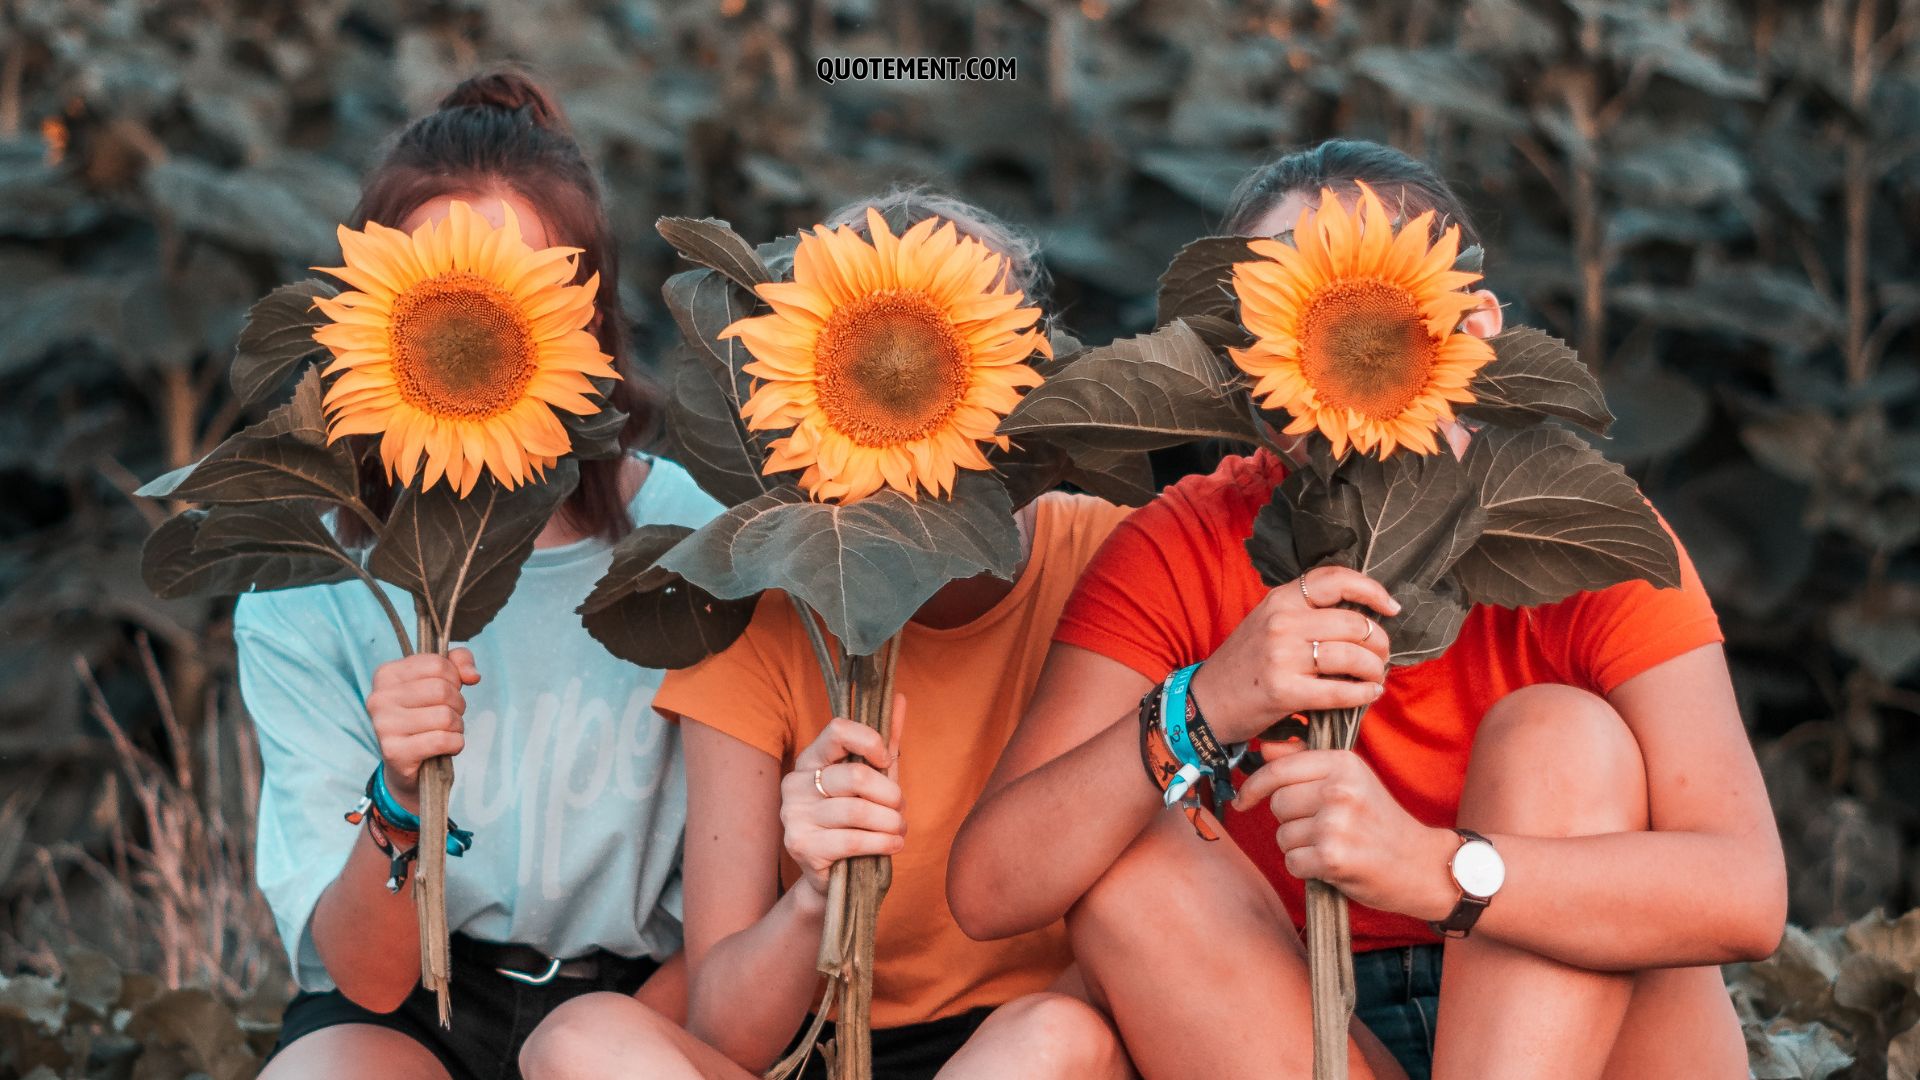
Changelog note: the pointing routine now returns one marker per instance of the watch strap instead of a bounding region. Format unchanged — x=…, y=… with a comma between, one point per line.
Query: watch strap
x=1466, y=911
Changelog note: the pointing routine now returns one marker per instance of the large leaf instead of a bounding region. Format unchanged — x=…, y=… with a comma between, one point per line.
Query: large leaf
x=709, y=437
x=1140, y=393
x=1199, y=281
x=460, y=558
x=278, y=335
x=713, y=243
x=1534, y=375
x=651, y=616
x=864, y=567
x=284, y=456
x=1036, y=466
x=1561, y=519
x=703, y=303
x=176, y=562
x=1404, y=521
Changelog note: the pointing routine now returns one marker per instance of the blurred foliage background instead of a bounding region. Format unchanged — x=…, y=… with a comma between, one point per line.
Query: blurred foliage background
x=1717, y=201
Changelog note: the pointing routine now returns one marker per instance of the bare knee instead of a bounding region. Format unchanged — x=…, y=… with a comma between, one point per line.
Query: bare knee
x=355, y=1050
x=1554, y=760
x=573, y=1039
x=1060, y=1036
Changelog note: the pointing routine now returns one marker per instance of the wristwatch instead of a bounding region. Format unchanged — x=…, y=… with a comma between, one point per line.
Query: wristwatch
x=1478, y=872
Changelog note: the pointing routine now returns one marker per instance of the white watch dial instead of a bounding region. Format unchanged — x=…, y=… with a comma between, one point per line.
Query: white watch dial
x=1478, y=870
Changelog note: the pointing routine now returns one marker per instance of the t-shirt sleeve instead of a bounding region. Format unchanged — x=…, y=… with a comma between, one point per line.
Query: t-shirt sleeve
x=1133, y=601
x=316, y=750
x=740, y=690
x=1604, y=638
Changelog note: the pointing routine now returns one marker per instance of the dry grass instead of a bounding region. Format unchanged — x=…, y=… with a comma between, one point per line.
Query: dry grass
x=171, y=892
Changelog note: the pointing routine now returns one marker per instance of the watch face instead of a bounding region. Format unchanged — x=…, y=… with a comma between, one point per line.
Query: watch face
x=1477, y=869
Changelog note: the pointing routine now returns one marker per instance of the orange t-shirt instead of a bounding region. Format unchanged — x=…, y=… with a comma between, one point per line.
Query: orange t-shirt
x=1175, y=579
x=966, y=688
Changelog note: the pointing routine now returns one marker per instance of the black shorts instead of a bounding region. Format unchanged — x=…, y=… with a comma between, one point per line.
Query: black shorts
x=911, y=1052
x=492, y=1014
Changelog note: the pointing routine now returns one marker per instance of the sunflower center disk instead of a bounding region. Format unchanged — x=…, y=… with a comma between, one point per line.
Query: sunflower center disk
x=461, y=348
x=891, y=368
x=1365, y=347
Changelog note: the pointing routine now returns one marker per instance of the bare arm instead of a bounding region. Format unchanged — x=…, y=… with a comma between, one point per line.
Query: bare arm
x=1074, y=761
x=1707, y=884
x=742, y=931
x=369, y=938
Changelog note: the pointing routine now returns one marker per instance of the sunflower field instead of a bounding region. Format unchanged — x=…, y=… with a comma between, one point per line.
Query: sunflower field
x=1716, y=201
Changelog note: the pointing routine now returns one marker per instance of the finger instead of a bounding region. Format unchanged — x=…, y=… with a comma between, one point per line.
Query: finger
x=428, y=718
x=852, y=779
x=1297, y=833
x=1298, y=802
x=462, y=659
x=1306, y=864
x=409, y=751
x=1331, y=586
x=1343, y=624
x=843, y=738
x=410, y=668
x=1346, y=658
x=1294, y=768
x=424, y=693
x=857, y=814
x=833, y=845
x=1317, y=695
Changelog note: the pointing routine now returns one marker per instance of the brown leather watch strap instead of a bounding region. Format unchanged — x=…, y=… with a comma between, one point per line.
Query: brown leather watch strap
x=1466, y=911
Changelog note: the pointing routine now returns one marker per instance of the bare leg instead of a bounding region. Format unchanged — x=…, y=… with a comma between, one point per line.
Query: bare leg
x=595, y=1036
x=1680, y=1023
x=1043, y=1036
x=354, y=1050
x=1547, y=761
x=1189, y=950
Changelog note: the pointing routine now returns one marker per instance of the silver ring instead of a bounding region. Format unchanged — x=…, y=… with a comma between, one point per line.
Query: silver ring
x=1304, y=595
x=1316, y=658
x=1370, y=629
x=817, y=786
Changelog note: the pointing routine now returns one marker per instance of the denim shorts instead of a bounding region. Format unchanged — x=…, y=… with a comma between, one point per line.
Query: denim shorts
x=1397, y=995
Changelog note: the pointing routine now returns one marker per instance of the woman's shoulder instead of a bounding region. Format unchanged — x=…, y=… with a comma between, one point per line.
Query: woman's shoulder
x=1220, y=504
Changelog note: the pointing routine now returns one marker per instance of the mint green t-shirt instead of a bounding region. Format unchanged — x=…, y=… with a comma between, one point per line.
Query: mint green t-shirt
x=572, y=785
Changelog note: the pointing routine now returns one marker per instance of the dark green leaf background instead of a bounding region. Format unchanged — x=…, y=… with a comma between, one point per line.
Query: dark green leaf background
x=1663, y=186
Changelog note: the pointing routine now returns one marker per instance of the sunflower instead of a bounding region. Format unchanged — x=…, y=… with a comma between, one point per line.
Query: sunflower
x=457, y=347
x=1355, y=327
x=891, y=359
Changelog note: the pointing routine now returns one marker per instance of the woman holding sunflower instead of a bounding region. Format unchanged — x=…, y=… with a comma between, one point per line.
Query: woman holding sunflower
x=1566, y=795
x=903, y=336
x=482, y=316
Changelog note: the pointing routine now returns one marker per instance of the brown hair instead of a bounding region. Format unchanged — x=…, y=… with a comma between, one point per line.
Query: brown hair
x=501, y=131
x=1401, y=179
x=904, y=207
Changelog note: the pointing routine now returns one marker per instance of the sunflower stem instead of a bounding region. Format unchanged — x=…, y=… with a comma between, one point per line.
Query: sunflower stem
x=1329, y=934
x=430, y=866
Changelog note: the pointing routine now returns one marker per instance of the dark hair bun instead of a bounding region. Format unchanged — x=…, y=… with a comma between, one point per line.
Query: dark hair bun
x=510, y=90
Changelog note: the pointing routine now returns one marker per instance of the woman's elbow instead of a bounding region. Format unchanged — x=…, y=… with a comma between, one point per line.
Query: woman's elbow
x=1759, y=913
x=375, y=995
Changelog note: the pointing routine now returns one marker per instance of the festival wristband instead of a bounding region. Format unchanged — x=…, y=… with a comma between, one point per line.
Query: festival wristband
x=394, y=818
x=1174, y=778
x=1174, y=713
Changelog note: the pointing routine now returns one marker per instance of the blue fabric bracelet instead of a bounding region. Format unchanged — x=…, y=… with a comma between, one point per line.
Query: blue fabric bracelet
x=458, y=839
x=1173, y=717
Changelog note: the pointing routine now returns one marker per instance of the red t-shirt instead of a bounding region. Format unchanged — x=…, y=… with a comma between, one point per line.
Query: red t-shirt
x=1174, y=580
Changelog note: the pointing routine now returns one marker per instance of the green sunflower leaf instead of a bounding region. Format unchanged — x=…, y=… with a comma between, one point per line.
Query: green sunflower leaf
x=1533, y=376
x=651, y=616
x=865, y=567
x=461, y=557
x=1560, y=519
x=1141, y=393
x=713, y=243
x=277, y=337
